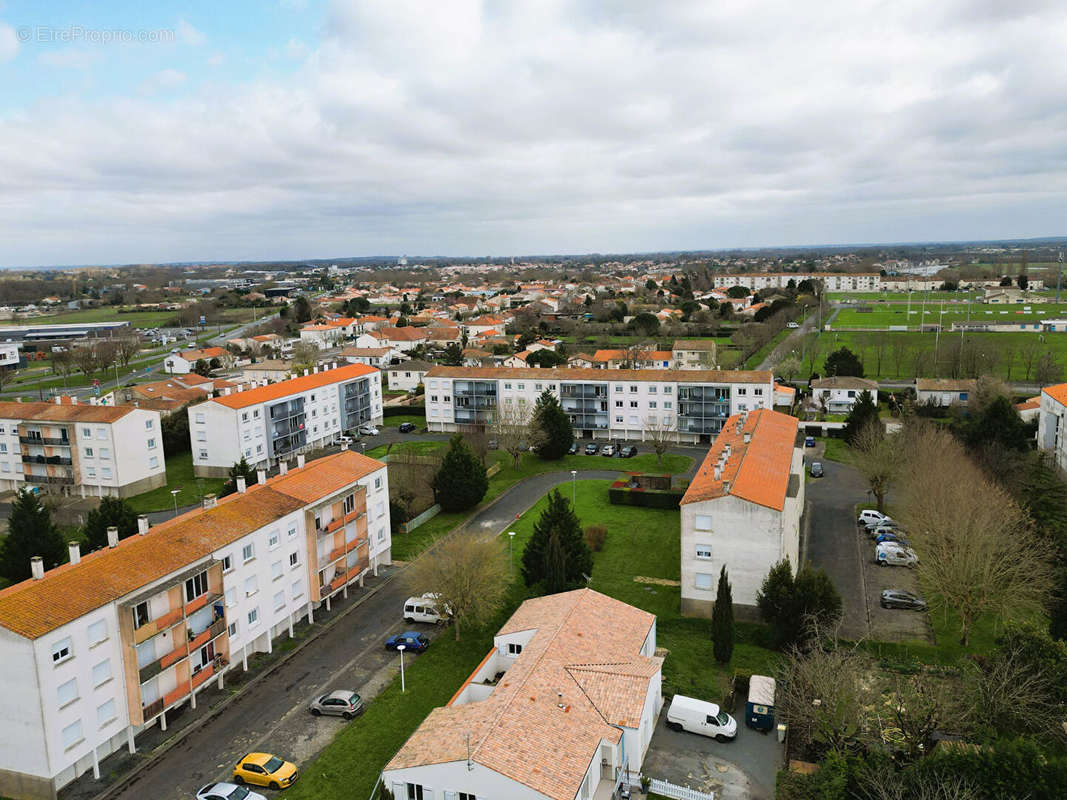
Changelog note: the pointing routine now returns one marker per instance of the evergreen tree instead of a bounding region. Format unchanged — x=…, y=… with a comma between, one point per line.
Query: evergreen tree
x=722, y=620
x=453, y=356
x=461, y=481
x=843, y=362
x=789, y=603
x=30, y=532
x=238, y=470
x=202, y=368
x=553, y=430
x=864, y=412
x=302, y=310
x=559, y=520
x=113, y=512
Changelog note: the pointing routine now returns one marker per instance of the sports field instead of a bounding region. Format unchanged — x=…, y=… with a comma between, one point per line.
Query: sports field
x=881, y=316
x=137, y=319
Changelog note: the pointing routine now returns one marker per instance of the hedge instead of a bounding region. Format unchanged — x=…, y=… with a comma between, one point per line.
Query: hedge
x=403, y=411
x=647, y=498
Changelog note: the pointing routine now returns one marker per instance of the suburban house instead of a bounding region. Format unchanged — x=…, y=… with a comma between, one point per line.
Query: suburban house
x=269, y=370
x=1029, y=409
x=943, y=391
x=784, y=395
x=405, y=377
x=81, y=449
x=557, y=710
x=380, y=357
x=581, y=361
x=694, y=354
x=98, y=650
x=633, y=359
x=1051, y=431
x=403, y=339
x=329, y=333
x=483, y=325
x=742, y=510
x=9, y=355
x=839, y=393
x=173, y=394
x=184, y=361
x=273, y=422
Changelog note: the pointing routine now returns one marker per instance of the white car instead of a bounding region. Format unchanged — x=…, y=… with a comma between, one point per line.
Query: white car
x=424, y=609
x=343, y=440
x=869, y=516
x=227, y=791
x=792, y=324
x=608, y=450
x=895, y=554
x=367, y=430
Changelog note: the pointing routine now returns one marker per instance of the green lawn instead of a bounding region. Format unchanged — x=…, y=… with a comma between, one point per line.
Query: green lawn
x=836, y=450
x=179, y=476
x=841, y=297
x=137, y=319
x=395, y=422
x=883, y=315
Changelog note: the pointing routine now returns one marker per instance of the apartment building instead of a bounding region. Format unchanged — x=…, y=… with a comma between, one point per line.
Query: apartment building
x=80, y=449
x=831, y=281
x=742, y=510
x=272, y=422
x=1051, y=426
x=691, y=405
x=571, y=717
x=97, y=650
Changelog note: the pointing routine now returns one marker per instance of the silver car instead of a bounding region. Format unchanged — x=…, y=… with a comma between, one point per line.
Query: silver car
x=227, y=791
x=341, y=703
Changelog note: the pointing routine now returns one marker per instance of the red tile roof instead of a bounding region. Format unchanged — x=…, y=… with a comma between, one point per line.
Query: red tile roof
x=304, y=383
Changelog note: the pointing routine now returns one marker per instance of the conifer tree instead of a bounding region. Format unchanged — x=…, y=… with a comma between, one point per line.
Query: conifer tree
x=30, y=532
x=542, y=563
x=722, y=620
x=551, y=427
x=460, y=481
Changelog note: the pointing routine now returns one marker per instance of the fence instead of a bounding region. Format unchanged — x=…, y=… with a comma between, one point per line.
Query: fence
x=668, y=789
x=425, y=516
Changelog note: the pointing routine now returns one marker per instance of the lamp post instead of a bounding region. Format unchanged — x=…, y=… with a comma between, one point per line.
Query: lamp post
x=174, y=494
x=574, y=483
x=511, y=553
x=403, y=688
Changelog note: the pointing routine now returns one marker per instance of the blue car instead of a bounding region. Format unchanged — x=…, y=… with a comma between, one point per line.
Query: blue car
x=809, y=441
x=413, y=641
x=888, y=536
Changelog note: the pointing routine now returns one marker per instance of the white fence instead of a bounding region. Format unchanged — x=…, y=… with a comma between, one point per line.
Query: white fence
x=668, y=789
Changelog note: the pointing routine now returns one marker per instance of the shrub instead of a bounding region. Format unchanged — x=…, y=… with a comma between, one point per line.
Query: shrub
x=595, y=536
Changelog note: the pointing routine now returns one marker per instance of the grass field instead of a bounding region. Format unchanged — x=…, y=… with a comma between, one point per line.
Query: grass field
x=137, y=319
x=179, y=476
x=883, y=315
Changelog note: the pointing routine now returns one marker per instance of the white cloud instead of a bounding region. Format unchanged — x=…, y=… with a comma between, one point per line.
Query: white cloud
x=164, y=79
x=553, y=126
x=69, y=59
x=9, y=43
x=188, y=34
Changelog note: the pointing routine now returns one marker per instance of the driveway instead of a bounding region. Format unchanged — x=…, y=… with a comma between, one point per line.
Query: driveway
x=743, y=769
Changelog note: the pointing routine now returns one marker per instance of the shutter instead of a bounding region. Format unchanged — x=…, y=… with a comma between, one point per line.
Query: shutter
x=450, y=796
x=400, y=791
x=427, y=793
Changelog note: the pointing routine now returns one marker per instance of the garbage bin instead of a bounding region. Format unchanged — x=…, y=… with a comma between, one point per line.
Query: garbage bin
x=781, y=731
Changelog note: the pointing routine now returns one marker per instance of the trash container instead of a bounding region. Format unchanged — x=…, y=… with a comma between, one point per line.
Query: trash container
x=781, y=731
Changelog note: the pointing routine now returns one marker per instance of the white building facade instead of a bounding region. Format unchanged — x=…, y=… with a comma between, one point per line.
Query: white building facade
x=838, y=394
x=1051, y=425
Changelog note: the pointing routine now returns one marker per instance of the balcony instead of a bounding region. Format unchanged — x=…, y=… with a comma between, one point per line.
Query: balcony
x=152, y=709
x=45, y=440
x=203, y=674
x=153, y=668
x=199, y=602
x=28, y=459
x=180, y=691
x=157, y=625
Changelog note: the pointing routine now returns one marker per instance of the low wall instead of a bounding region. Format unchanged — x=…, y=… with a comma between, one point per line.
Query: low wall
x=425, y=516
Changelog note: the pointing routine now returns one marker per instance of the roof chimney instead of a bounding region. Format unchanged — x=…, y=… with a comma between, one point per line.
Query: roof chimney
x=36, y=568
x=74, y=401
x=726, y=487
x=261, y=476
x=300, y=461
x=718, y=472
x=283, y=467
x=75, y=552
x=210, y=500
x=344, y=445
x=142, y=524
x=748, y=437
x=112, y=536
x=59, y=400
x=305, y=372
x=242, y=484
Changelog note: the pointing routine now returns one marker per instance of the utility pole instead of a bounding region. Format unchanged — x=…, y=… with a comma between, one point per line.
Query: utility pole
x=1059, y=275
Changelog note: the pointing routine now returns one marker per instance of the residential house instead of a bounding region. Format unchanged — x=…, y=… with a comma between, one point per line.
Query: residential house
x=943, y=391
x=330, y=333
x=838, y=394
x=473, y=357
x=380, y=357
x=581, y=361
x=742, y=510
x=404, y=339
x=633, y=358
x=479, y=326
x=1030, y=409
x=694, y=354
x=570, y=719
x=183, y=362
x=407, y=376
x=268, y=371
x=784, y=395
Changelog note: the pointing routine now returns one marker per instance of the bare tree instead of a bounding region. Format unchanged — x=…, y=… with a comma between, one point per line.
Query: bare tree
x=305, y=355
x=87, y=358
x=661, y=433
x=511, y=428
x=469, y=574
x=1007, y=352
x=1048, y=369
x=789, y=366
x=877, y=457
x=1028, y=354
x=898, y=351
x=126, y=348
x=883, y=782
x=811, y=350
x=63, y=362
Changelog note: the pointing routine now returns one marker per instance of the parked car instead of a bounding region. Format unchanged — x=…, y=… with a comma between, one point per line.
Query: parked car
x=412, y=641
x=698, y=716
x=592, y=449
x=264, y=769
x=895, y=554
x=573, y=449
x=492, y=444
x=609, y=450
x=367, y=430
x=874, y=531
x=898, y=598
x=340, y=703
x=424, y=609
x=406, y=427
x=809, y=441
x=891, y=535
x=869, y=515
x=792, y=324
x=340, y=440
x=816, y=469
x=628, y=452
x=227, y=791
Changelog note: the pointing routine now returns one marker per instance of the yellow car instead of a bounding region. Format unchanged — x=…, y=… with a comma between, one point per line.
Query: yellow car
x=263, y=769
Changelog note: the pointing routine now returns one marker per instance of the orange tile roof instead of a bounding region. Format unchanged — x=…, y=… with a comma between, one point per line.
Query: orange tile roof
x=1057, y=393
x=519, y=731
x=778, y=387
x=757, y=471
x=207, y=352
x=1028, y=404
x=407, y=334
x=33, y=608
x=607, y=376
x=304, y=383
x=51, y=412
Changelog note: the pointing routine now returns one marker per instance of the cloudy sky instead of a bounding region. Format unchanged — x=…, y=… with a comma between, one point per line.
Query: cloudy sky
x=138, y=132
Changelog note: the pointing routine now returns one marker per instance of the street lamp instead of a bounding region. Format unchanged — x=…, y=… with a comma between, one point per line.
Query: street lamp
x=511, y=553
x=403, y=688
x=574, y=482
x=174, y=494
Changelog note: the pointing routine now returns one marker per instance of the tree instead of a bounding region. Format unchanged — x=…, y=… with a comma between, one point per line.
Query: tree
x=877, y=458
x=175, y=431
x=550, y=429
x=239, y=470
x=469, y=575
x=651, y=285
x=862, y=415
x=126, y=348
x=722, y=620
x=546, y=359
x=645, y=324
x=302, y=310
x=996, y=423
x=201, y=367
x=796, y=605
x=661, y=434
x=453, y=356
x=1047, y=369
x=789, y=366
x=843, y=362
x=565, y=563
x=512, y=430
x=461, y=481
x=113, y=512
x=215, y=363
x=305, y=356
x=30, y=532
x=737, y=292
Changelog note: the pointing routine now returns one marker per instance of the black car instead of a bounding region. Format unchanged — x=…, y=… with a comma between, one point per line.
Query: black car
x=628, y=452
x=573, y=449
x=592, y=449
x=406, y=427
x=898, y=598
x=816, y=469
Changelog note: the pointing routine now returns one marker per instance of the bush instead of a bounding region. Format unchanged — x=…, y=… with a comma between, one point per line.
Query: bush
x=788, y=603
x=646, y=498
x=595, y=536
x=461, y=481
x=403, y=411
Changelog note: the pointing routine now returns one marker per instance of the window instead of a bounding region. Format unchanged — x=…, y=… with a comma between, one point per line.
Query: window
x=148, y=424
x=618, y=418
x=465, y=796
x=298, y=589
x=415, y=792
x=203, y=453
x=88, y=452
x=704, y=551
x=279, y=601
x=140, y=615
x=102, y=672
x=668, y=404
x=87, y=433
x=105, y=452
x=196, y=586
x=272, y=542
x=244, y=417
x=97, y=632
x=514, y=649
x=105, y=713
x=381, y=534
x=350, y=503
x=200, y=419
x=668, y=390
x=227, y=563
x=231, y=597
x=153, y=462
x=72, y=734
x=651, y=403
x=248, y=552
x=61, y=651
x=151, y=444
x=292, y=532
x=742, y=391
x=757, y=392
x=253, y=618
x=633, y=404
x=232, y=629
x=105, y=472
x=378, y=483
x=294, y=559
x=703, y=522
x=618, y=388
x=652, y=389
x=633, y=420
x=67, y=692
x=702, y=580
x=275, y=570
x=507, y=385
x=379, y=510
x=251, y=585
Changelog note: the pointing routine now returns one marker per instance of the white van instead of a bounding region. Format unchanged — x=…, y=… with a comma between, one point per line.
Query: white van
x=423, y=609
x=895, y=554
x=697, y=716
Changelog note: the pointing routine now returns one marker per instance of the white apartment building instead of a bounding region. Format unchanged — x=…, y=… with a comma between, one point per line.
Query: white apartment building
x=839, y=393
x=97, y=650
x=831, y=281
x=742, y=510
x=1051, y=430
x=9, y=354
x=618, y=404
x=73, y=448
x=272, y=422
x=571, y=717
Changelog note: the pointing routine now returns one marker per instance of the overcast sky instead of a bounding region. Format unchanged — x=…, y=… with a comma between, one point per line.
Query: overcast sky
x=238, y=130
